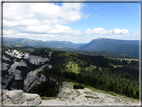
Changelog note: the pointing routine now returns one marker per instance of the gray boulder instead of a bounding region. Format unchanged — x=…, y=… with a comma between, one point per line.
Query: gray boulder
x=17, y=97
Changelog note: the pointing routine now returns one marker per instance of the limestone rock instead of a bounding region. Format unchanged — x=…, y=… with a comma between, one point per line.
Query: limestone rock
x=32, y=98
x=14, y=53
x=18, y=75
x=32, y=78
x=12, y=69
x=5, y=66
x=37, y=59
x=6, y=58
x=17, y=97
x=14, y=94
x=26, y=56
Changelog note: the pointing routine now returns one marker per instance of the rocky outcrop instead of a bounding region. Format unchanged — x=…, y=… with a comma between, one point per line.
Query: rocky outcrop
x=37, y=60
x=12, y=69
x=5, y=66
x=13, y=72
x=17, y=97
x=5, y=58
x=26, y=56
x=32, y=78
x=68, y=96
x=20, y=69
x=18, y=75
x=14, y=53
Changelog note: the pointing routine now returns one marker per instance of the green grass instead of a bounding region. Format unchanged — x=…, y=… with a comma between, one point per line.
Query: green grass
x=69, y=94
x=73, y=67
x=120, y=66
x=30, y=49
x=73, y=98
x=100, y=68
x=112, y=93
x=19, y=46
x=126, y=59
x=111, y=64
x=78, y=95
x=87, y=92
x=91, y=97
x=90, y=68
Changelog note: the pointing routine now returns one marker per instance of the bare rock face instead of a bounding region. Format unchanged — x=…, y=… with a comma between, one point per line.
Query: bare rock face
x=12, y=69
x=17, y=97
x=14, y=53
x=33, y=79
x=37, y=59
x=5, y=66
x=16, y=63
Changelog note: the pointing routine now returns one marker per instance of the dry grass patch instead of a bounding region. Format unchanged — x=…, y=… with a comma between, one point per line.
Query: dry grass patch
x=47, y=98
x=87, y=92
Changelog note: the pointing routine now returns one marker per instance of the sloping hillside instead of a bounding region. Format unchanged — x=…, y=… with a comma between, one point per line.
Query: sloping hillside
x=48, y=68
x=113, y=45
x=106, y=73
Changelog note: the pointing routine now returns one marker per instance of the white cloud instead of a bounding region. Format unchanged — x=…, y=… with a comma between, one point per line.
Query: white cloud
x=68, y=36
x=98, y=31
x=15, y=11
x=119, y=31
x=30, y=35
x=107, y=32
x=8, y=32
x=47, y=20
x=119, y=36
x=43, y=11
x=52, y=29
x=41, y=18
x=108, y=36
x=114, y=36
x=21, y=23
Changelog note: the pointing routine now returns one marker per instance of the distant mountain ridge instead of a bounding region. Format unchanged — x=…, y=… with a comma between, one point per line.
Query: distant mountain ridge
x=113, y=45
x=130, y=47
x=30, y=42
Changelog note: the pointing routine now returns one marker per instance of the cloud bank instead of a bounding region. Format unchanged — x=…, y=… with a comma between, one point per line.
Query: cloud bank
x=50, y=21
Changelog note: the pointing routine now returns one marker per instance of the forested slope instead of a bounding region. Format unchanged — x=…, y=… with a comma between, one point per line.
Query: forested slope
x=105, y=73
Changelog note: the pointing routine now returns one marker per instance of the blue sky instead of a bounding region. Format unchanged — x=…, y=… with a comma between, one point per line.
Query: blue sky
x=75, y=22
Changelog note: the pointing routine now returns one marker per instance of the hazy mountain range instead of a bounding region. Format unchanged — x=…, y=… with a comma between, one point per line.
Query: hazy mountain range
x=30, y=42
x=130, y=47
